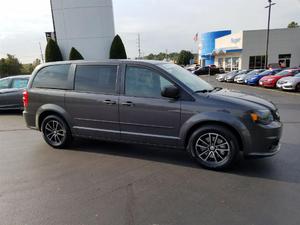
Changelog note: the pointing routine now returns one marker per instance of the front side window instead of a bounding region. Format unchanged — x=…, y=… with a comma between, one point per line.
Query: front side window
x=96, y=79
x=19, y=83
x=142, y=82
x=4, y=83
x=187, y=78
x=53, y=77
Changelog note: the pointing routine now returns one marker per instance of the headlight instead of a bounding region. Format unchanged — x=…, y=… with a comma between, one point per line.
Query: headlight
x=262, y=116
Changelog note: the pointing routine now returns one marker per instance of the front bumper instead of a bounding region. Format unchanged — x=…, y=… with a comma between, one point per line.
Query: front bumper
x=265, y=140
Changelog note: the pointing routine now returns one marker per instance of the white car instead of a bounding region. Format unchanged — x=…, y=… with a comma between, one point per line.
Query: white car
x=289, y=83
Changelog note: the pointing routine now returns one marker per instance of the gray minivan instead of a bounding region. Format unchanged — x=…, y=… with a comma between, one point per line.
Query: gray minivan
x=149, y=102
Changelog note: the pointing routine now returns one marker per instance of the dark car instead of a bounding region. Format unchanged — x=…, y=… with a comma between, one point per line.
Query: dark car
x=11, y=89
x=149, y=102
x=212, y=70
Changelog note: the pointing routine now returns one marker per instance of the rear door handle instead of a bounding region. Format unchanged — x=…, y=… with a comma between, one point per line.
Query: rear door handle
x=109, y=102
x=129, y=104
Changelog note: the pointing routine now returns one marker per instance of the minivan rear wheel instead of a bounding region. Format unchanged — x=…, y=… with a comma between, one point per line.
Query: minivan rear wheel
x=214, y=147
x=56, y=132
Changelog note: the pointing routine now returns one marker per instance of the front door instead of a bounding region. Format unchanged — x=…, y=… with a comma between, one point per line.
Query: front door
x=146, y=116
x=93, y=104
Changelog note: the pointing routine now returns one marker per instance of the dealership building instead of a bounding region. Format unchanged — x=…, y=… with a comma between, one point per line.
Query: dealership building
x=247, y=49
x=87, y=25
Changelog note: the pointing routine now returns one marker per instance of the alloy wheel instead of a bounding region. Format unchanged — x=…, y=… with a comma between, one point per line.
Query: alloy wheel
x=55, y=132
x=213, y=148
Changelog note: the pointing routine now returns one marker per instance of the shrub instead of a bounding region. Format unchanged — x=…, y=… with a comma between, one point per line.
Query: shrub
x=75, y=55
x=117, y=50
x=53, y=53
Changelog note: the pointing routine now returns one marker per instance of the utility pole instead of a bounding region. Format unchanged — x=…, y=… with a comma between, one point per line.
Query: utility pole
x=268, y=32
x=139, y=46
x=42, y=56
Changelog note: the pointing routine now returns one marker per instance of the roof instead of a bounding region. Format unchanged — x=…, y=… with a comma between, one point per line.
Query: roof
x=226, y=50
x=153, y=62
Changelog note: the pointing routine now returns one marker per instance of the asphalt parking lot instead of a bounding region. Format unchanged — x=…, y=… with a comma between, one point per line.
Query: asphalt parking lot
x=105, y=183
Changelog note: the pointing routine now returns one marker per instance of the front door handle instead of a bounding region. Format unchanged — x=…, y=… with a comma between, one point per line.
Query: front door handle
x=109, y=102
x=129, y=104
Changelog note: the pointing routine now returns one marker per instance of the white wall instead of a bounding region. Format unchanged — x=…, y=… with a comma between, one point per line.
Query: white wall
x=234, y=41
x=282, y=41
x=87, y=25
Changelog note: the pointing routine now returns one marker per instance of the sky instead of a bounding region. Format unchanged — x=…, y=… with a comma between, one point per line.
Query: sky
x=164, y=25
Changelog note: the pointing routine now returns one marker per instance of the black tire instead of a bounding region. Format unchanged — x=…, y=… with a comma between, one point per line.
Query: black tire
x=298, y=87
x=214, y=147
x=56, y=132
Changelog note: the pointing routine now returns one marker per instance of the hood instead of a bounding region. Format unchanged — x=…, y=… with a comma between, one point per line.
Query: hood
x=243, y=98
x=268, y=77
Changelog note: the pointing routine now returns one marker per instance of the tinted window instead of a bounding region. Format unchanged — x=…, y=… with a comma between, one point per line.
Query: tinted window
x=55, y=77
x=142, y=82
x=4, y=83
x=19, y=83
x=99, y=79
x=191, y=81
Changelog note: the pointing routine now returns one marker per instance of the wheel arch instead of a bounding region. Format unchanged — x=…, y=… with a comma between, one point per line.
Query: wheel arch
x=49, y=109
x=221, y=119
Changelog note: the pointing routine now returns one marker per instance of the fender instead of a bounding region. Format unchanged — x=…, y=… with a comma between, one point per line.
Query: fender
x=52, y=108
x=218, y=117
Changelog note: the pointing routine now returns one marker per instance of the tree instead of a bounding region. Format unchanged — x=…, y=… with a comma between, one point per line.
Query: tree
x=117, y=50
x=53, y=52
x=293, y=24
x=184, y=57
x=75, y=55
x=10, y=66
x=29, y=68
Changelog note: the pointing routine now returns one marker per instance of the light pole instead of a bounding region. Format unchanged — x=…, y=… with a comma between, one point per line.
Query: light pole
x=268, y=32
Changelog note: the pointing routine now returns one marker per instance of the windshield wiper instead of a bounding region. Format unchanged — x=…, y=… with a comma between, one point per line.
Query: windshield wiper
x=208, y=91
x=203, y=91
x=217, y=89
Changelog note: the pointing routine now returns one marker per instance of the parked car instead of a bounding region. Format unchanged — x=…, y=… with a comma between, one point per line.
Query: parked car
x=271, y=81
x=254, y=80
x=289, y=83
x=192, y=68
x=240, y=79
x=230, y=77
x=154, y=103
x=212, y=70
x=11, y=89
x=221, y=77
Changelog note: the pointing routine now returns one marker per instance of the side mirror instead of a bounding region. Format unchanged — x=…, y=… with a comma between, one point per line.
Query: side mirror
x=170, y=92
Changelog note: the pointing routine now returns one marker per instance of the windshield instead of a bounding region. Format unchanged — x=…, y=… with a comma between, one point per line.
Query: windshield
x=192, y=81
x=267, y=72
x=283, y=73
x=297, y=75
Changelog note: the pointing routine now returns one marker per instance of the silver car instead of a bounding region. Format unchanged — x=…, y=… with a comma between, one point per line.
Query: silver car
x=221, y=77
x=240, y=79
x=11, y=89
x=290, y=83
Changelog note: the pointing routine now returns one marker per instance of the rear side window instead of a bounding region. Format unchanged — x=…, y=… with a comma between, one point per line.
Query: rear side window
x=96, y=79
x=4, y=83
x=19, y=83
x=54, y=77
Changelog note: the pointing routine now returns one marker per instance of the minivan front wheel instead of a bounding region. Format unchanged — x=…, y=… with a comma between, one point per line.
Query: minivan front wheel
x=213, y=147
x=56, y=132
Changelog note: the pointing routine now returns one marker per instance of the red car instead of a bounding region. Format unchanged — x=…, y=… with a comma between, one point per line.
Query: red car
x=271, y=81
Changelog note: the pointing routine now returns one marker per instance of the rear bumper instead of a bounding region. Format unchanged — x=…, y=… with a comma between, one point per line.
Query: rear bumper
x=29, y=120
x=265, y=140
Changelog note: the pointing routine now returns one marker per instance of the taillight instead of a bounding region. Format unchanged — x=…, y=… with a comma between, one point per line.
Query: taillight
x=25, y=99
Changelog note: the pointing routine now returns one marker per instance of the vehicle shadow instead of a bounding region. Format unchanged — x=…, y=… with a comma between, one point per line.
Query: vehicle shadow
x=11, y=112
x=267, y=168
